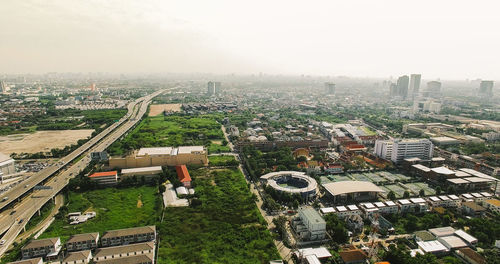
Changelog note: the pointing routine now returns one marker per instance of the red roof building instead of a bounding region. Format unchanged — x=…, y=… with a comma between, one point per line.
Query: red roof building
x=183, y=175
x=104, y=174
x=105, y=177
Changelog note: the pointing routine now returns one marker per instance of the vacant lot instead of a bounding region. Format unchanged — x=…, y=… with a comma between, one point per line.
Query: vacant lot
x=41, y=141
x=222, y=226
x=173, y=130
x=157, y=109
x=115, y=208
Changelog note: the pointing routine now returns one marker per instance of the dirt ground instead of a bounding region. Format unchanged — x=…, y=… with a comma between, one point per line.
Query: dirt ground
x=157, y=109
x=42, y=141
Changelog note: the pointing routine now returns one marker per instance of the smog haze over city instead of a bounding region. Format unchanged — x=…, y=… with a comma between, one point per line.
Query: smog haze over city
x=440, y=39
x=272, y=132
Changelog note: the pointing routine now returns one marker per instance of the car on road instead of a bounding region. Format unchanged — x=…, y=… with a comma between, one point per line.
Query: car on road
x=2, y=242
x=21, y=221
x=5, y=199
x=12, y=212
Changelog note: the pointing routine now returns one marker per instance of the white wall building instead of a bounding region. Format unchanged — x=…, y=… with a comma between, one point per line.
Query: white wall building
x=411, y=148
x=383, y=149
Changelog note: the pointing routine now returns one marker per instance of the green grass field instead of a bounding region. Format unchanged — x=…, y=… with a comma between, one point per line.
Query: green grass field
x=368, y=131
x=215, y=148
x=224, y=227
x=116, y=208
x=222, y=161
x=174, y=130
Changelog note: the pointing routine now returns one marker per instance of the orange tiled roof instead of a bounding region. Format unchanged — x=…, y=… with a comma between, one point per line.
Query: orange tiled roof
x=103, y=174
x=182, y=173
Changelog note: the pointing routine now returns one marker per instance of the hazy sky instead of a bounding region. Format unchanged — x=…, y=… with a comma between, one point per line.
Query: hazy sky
x=439, y=38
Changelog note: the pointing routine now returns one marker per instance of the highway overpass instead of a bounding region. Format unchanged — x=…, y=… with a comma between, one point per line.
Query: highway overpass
x=13, y=220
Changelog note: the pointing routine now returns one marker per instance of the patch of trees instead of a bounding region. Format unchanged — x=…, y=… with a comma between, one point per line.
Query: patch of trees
x=259, y=163
x=336, y=229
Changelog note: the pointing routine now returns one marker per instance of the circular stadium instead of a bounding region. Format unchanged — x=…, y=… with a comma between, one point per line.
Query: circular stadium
x=291, y=182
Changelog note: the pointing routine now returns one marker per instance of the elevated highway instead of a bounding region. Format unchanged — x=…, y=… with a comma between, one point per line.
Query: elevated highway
x=13, y=219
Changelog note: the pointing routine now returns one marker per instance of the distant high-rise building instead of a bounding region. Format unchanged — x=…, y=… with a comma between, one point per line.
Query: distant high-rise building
x=393, y=89
x=433, y=89
x=210, y=88
x=415, y=84
x=486, y=88
x=217, y=88
x=330, y=88
x=402, y=85
x=92, y=87
x=3, y=87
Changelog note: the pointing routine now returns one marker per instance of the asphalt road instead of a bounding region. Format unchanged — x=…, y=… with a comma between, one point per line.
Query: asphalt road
x=13, y=220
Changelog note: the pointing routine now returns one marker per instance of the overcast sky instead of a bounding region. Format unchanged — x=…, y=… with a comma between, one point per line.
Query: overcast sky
x=439, y=38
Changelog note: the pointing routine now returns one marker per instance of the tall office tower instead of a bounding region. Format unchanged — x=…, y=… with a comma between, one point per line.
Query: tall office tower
x=486, y=88
x=433, y=89
x=330, y=88
x=217, y=88
x=393, y=89
x=3, y=88
x=210, y=88
x=415, y=84
x=403, y=86
x=411, y=148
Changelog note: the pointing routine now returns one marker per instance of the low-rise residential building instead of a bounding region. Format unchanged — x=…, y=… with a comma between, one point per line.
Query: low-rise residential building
x=420, y=205
x=473, y=209
x=128, y=236
x=369, y=209
x=391, y=207
x=405, y=206
x=78, y=257
x=354, y=256
x=353, y=209
x=327, y=210
x=105, y=177
x=88, y=241
x=28, y=261
x=312, y=255
x=132, y=259
x=455, y=200
x=341, y=212
x=492, y=205
x=120, y=252
x=47, y=248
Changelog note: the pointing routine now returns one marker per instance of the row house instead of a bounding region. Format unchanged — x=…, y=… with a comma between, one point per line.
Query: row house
x=128, y=236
